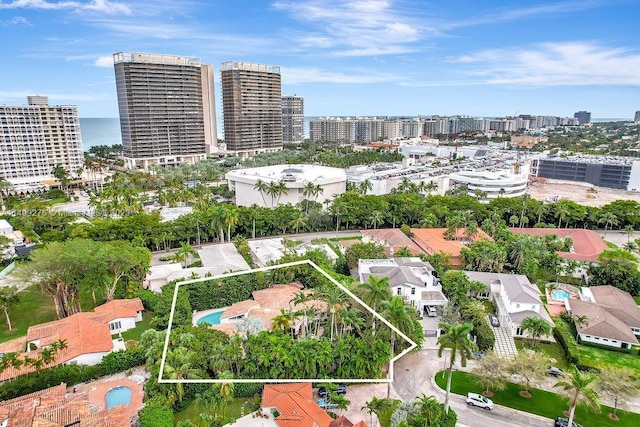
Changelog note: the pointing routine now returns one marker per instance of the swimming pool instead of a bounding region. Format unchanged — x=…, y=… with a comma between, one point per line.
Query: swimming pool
x=118, y=396
x=211, y=318
x=560, y=294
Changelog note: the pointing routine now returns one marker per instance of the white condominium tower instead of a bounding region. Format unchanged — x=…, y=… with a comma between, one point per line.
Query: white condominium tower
x=35, y=139
x=252, y=108
x=167, y=109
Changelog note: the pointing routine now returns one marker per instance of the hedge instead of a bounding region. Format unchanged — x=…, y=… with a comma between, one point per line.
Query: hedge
x=72, y=374
x=154, y=415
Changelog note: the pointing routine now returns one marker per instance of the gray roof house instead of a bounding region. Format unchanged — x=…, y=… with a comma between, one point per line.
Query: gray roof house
x=613, y=317
x=516, y=297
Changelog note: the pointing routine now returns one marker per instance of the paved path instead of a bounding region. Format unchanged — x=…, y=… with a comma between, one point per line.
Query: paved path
x=414, y=376
x=504, y=346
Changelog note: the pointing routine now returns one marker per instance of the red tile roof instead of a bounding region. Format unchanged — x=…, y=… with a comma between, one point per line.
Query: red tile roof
x=341, y=421
x=587, y=244
x=432, y=241
x=53, y=407
x=391, y=238
x=84, y=333
x=295, y=404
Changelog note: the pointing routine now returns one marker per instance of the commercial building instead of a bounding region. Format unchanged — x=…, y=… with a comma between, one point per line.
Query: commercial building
x=610, y=172
x=489, y=185
x=252, y=108
x=35, y=139
x=292, y=119
x=584, y=117
x=167, y=109
x=270, y=186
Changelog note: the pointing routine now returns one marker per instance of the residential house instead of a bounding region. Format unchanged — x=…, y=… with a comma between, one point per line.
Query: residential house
x=433, y=241
x=515, y=297
x=410, y=278
x=612, y=316
x=54, y=407
x=393, y=239
x=587, y=245
x=10, y=240
x=88, y=336
x=296, y=408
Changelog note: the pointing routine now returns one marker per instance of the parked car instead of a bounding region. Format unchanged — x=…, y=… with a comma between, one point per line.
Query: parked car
x=493, y=320
x=564, y=422
x=323, y=392
x=431, y=311
x=475, y=399
x=556, y=372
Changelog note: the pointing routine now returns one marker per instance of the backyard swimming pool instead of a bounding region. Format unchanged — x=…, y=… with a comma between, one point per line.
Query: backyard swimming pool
x=561, y=294
x=118, y=396
x=211, y=318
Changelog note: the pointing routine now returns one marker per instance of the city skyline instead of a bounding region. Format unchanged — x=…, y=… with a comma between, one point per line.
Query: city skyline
x=364, y=58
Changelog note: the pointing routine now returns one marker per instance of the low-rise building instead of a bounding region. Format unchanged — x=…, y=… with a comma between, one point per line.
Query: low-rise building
x=612, y=316
x=393, y=239
x=87, y=336
x=270, y=186
x=433, y=241
x=409, y=278
x=516, y=298
x=489, y=185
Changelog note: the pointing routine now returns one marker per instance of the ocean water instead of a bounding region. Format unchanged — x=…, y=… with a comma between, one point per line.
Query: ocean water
x=100, y=131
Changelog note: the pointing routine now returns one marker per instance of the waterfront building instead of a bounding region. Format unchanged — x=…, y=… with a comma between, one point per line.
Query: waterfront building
x=35, y=139
x=583, y=117
x=167, y=109
x=292, y=119
x=252, y=108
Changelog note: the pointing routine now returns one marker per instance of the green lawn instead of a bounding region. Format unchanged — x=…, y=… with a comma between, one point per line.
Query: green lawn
x=234, y=410
x=32, y=308
x=134, y=334
x=542, y=403
x=637, y=300
x=599, y=357
x=552, y=350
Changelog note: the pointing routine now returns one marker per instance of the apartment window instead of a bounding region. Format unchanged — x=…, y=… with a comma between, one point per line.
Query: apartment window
x=413, y=291
x=399, y=291
x=113, y=326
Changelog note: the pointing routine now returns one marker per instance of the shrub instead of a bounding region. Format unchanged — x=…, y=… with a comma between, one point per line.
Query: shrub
x=485, y=339
x=149, y=299
x=247, y=389
x=562, y=334
x=154, y=415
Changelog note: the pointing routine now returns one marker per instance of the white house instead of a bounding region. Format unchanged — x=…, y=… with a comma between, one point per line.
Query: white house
x=613, y=317
x=88, y=335
x=410, y=278
x=515, y=297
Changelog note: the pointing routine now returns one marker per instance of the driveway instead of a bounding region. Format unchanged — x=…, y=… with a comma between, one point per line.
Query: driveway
x=414, y=376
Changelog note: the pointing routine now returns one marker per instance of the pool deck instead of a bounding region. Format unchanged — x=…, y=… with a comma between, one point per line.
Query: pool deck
x=96, y=390
x=197, y=315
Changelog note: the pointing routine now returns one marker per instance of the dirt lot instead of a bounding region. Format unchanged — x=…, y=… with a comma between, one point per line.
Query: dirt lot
x=578, y=193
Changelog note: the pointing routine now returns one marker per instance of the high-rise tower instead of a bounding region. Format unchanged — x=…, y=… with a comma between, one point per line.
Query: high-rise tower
x=584, y=117
x=252, y=108
x=167, y=109
x=292, y=119
x=34, y=139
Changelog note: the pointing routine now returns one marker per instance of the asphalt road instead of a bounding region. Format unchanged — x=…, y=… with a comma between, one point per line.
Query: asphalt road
x=413, y=375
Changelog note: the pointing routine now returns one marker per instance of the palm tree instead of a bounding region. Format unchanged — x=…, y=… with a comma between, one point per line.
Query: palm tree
x=365, y=186
x=179, y=366
x=374, y=292
x=455, y=338
x=283, y=321
x=262, y=188
x=254, y=214
x=61, y=174
x=562, y=211
x=300, y=220
x=536, y=327
x=376, y=218
x=399, y=315
x=276, y=190
x=5, y=186
x=609, y=219
x=579, y=387
x=580, y=321
x=231, y=217
x=182, y=255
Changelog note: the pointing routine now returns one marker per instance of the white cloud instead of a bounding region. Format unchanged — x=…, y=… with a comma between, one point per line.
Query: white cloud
x=105, y=6
x=104, y=61
x=553, y=64
x=314, y=75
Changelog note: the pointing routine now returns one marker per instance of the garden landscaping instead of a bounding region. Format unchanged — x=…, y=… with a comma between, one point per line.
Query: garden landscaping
x=542, y=402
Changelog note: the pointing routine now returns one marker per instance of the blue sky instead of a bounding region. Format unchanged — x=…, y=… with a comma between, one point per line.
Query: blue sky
x=363, y=57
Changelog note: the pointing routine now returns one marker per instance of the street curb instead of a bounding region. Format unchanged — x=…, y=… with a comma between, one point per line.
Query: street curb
x=514, y=411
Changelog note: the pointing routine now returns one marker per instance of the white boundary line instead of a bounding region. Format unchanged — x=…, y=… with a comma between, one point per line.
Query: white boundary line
x=389, y=378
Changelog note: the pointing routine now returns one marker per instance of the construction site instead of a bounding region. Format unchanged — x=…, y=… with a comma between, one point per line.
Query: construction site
x=584, y=195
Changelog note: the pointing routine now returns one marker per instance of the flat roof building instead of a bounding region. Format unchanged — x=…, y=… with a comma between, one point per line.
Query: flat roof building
x=35, y=139
x=167, y=109
x=252, y=185
x=252, y=108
